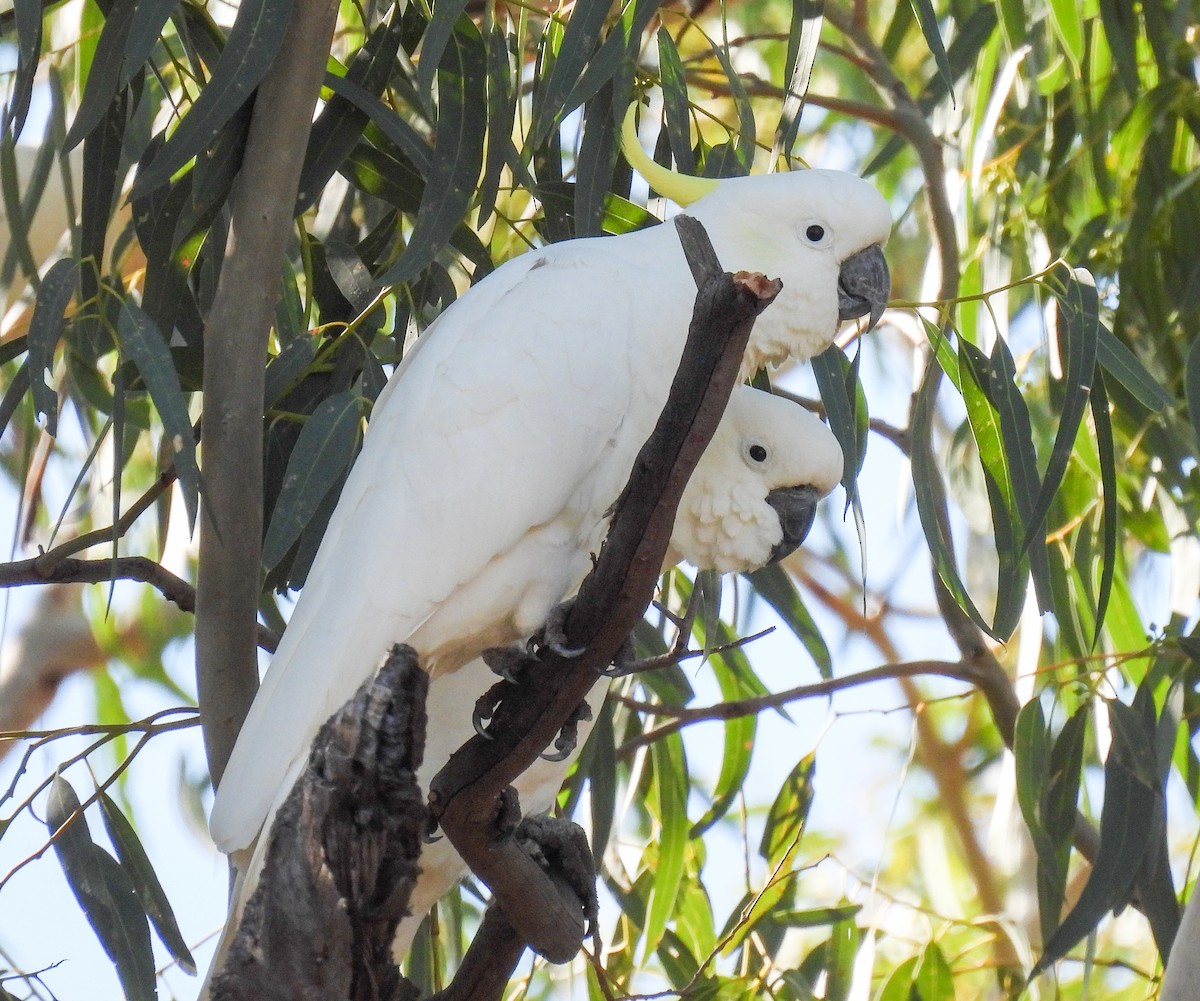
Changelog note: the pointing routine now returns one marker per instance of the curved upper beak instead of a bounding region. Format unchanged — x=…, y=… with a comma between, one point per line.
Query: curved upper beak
x=797, y=508
x=863, y=285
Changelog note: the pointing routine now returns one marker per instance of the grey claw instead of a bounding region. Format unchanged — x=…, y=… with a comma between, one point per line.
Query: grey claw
x=505, y=661
x=553, y=636
x=568, y=736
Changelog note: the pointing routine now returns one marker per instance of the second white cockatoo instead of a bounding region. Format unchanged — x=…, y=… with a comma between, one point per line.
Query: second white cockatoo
x=749, y=502
x=500, y=443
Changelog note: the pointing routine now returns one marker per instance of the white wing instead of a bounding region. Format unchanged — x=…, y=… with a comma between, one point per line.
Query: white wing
x=474, y=504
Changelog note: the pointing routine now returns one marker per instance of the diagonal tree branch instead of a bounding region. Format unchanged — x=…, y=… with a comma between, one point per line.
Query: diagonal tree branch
x=469, y=793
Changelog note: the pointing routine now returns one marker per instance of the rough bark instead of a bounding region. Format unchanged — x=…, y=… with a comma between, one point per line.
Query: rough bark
x=343, y=854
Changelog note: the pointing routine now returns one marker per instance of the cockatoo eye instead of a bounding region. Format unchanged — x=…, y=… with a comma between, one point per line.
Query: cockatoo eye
x=757, y=453
x=816, y=234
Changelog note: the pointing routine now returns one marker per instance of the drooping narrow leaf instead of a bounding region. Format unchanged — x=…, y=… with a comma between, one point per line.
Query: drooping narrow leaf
x=1067, y=18
x=104, y=77
x=386, y=120
x=927, y=18
x=830, y=368
x=807, y=19
x=1078, y=337
x=675, y=102
x=149, y=17
x=774, y=586
x=319, y=459
x=925, y=474
x=579, y=43
x=597, y=158
x=142, y=344
x=446, y=14
x=457, y=153
x=104, y=893
x=13, y=395
x=789, y=812
x=338, y=128
x=1111, y=510
x=994, y=456
x=254, y=40
x=744, y=145
x=101, y=165
x=1127, y=821
x=502, y=110
x=1022, y=462
x=145, y=882
x=614, y=59
x=16, y=217
x=45, y=331
x=1123, y=365
x=27, y=15
x=669, y=796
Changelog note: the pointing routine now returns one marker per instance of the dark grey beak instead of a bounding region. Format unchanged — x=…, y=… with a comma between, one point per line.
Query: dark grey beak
x=797, y=508
x=863, y=285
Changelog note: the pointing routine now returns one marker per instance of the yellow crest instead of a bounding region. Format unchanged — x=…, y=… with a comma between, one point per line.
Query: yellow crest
x=682, y=189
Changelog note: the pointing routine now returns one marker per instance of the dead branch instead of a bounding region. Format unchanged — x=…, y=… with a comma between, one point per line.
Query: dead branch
x=342, y=858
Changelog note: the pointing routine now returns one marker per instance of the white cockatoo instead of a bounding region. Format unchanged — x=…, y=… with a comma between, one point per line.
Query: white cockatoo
x=501, y=441
x=749, y=502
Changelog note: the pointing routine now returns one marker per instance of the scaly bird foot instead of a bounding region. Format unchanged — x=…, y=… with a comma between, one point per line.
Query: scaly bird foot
x=568, y=736
x=552, y=634
x=558, y=844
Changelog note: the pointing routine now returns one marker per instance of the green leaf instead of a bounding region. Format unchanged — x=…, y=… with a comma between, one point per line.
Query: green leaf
x=1123, y=365
x=13, y=395
x=339, y=126
x=1078, y=337
x=17, y=219
x=104, y=77
x=1067, y=18
x=457, y=153
x=934, y=980
x=669, y=802
x=321, y=455
x=502, y=110
x=254, y=40
x=1000, y=426
x=149, y=17
x=104, y=893
x=145, y=882
x=446, y=15
x=899, y=986
x=831, y=368
x=27, y=15
x=843, y=946
x=675, y=102
x=805, y=33
x=142, y=344
x=579, y=44
x=788, y=813
x=927, y=18
x=594, y=168
x=1127, y=824
x=744, y=145
x=1106, y=448
x=45, y=331
x=777, y=589
x=926, y=474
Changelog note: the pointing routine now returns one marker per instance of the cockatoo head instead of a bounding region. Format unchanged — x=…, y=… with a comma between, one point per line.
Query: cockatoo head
x=752, y=497
x=820, y=231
